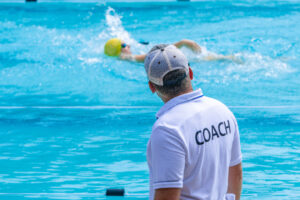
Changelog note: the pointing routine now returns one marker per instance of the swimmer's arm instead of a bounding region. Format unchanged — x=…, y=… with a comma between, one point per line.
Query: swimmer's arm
x=130, y=57
x=140, y=58
x=222, y=57
x=189, y=44
x=217, y=57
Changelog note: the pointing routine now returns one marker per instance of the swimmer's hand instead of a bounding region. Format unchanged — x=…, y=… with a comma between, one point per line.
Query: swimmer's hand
x=189, y=44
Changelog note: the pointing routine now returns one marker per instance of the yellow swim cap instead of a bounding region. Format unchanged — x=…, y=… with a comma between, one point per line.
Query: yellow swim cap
x=113, y=47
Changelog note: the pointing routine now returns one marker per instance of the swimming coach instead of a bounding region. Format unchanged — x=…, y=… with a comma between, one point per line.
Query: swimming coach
x=194, y=149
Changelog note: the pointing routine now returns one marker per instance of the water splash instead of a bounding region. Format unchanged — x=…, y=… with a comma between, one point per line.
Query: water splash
x=116, y=30
x=115, y=27
x=241, y=66
x=256, y=66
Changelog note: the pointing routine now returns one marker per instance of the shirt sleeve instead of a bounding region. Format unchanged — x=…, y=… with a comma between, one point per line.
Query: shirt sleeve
x=236, y=154
x=168, y=158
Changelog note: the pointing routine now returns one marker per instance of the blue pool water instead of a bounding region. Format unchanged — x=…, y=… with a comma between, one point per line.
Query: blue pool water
x=74, y=122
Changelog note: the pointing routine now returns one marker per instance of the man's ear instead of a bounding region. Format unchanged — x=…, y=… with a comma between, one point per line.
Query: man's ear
x=191, y=74
x=151, y=86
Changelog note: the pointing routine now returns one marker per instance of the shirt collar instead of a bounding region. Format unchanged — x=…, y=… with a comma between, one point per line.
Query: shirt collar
x=178, y=100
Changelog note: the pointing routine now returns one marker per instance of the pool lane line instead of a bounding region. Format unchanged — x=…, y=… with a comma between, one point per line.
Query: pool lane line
x=269, y=107
x=76, y=107
x=128, y=107
x=82, y=194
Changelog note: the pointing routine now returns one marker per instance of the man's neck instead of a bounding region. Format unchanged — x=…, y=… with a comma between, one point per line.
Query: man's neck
x=165, y=99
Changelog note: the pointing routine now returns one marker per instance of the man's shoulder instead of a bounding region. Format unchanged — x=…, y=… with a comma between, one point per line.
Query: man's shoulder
x=221, y=107
x=211, y=100
x=162, y=124
x=178, y=113
x=202, y=104
x=165, y=133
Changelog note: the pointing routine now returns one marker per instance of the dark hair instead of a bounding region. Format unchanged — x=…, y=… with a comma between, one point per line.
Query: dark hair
x=174, y=83
x=158, y=46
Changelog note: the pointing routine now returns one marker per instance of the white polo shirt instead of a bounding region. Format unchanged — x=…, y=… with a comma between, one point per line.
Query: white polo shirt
x=193, y=143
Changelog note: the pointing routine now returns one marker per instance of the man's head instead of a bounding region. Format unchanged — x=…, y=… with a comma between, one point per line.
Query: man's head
x=168, y=71
x=115, y=46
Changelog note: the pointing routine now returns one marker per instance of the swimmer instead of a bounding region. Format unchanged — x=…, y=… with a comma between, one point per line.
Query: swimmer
x=118, y=48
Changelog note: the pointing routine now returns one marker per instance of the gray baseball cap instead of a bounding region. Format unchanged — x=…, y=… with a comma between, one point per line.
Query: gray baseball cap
x=163, y=59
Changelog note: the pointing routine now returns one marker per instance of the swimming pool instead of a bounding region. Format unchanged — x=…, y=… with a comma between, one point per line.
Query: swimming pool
x=74, y=122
